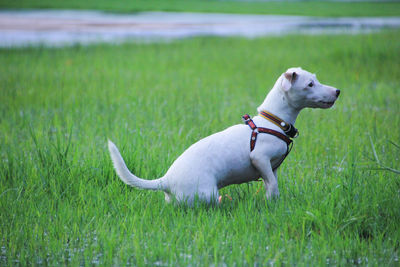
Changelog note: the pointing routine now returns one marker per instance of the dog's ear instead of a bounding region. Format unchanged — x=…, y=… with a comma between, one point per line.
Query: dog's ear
x=288, y=79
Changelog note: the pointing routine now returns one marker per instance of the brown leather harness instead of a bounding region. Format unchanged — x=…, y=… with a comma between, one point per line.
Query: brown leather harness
x=256, y=130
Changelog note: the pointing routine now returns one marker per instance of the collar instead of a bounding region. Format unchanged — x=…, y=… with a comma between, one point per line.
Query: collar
x=288, y=128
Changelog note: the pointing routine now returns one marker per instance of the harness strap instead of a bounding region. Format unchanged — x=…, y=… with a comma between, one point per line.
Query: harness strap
x=281, y=136
x=256, y=130
x=288, y=128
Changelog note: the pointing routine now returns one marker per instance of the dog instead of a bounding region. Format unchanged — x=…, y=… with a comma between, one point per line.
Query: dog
x=233, y=156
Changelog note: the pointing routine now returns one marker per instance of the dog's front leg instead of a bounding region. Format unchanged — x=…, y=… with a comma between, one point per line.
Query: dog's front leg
x=263, y=165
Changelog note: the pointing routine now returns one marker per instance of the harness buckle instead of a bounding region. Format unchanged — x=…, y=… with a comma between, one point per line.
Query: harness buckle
x=291, y=131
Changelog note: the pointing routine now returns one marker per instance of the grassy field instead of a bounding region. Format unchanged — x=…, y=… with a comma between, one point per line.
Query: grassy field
x=308, y=8
x=62, y=204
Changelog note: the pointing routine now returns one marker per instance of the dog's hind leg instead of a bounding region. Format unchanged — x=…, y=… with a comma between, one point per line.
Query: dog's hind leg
x=208, y=196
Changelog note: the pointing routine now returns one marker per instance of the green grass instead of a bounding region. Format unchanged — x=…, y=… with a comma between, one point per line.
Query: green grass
x=62, y=204
x=308, y=8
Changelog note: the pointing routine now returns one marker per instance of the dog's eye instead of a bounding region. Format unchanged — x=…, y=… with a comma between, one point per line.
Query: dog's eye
x=311, y=84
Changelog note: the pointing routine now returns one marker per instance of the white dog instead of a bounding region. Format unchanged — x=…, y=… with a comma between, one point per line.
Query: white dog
x=239, y=153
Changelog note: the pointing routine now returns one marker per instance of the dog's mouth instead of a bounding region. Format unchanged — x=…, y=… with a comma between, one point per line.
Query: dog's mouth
x=326, y=104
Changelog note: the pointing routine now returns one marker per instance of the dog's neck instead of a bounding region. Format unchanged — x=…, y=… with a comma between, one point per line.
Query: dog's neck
x=277, y=103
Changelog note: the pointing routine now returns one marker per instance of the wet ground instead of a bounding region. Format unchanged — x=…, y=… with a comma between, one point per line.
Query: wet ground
x=67, y=27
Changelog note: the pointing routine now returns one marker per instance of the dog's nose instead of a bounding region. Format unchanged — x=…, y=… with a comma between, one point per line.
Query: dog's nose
x=337, y=92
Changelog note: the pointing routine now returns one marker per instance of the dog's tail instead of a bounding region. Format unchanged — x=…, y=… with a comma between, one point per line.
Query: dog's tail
x=126, y=176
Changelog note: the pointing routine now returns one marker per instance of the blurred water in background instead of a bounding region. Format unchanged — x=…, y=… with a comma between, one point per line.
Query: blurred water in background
x=68, y=27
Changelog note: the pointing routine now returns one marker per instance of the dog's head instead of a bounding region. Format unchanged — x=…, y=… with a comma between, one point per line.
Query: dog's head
x=302, y=89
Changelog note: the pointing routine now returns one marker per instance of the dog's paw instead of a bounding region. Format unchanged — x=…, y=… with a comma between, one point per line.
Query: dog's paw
x=272, y=193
